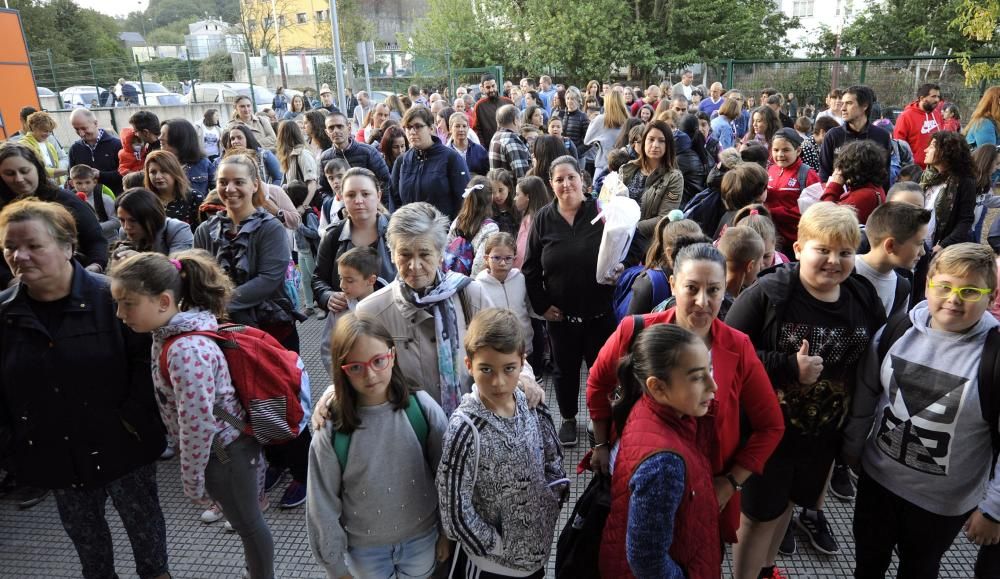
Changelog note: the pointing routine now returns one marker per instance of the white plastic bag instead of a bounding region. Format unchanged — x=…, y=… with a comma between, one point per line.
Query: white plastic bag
x=810, y=196
x=621, y=215
x=612, y=186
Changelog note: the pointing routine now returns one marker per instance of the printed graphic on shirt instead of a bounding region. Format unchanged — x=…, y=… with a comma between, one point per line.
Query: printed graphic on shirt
x=822, y=406
x=930, y=126
x=918, y=425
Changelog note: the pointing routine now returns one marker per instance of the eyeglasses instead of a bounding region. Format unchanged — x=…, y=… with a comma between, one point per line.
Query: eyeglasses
x=501, y=258
x=378, y=364
x=966, y=294
x=415, y=127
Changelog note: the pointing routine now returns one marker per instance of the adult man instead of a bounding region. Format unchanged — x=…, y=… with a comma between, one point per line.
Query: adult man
x=350, y=99
x=679, y=105
x=96, y=148
x=855, y=108
x=714, y=100
x=773, y=102
x=364, y=105
x=651, y=98
x=147, y=128
x=356, y=154
x=833, y=105
x=683, y=88
x=326, y=99
x=484, y=113
x=24, y=113
x=507, y=149
x=547, y=92
x=919, y=120
x=414, y=93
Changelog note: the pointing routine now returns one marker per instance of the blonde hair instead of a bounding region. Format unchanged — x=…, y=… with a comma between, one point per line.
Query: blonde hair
x=615, y=113
x=966, y=259
x=41, y=121
x=58, y=221
x=828, y=222
x=987, y=110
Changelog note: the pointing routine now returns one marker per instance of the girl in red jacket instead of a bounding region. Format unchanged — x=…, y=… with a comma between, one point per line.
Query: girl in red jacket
x=857, y=175
x=786, y=178
x=663, y=519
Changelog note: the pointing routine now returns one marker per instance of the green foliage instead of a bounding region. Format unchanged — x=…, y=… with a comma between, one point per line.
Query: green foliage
x=172, y=33
x=216, y=68
x=70, y=32
x=979, y=20
x=904, y=27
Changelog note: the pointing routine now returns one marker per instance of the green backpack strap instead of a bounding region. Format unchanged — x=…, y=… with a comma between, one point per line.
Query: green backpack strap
x=414, y=413
x=341, y=444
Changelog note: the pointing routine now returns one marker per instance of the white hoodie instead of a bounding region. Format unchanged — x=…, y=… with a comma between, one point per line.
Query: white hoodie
x=511, y=294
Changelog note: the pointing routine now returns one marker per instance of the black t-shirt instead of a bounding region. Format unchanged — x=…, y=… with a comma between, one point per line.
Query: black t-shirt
x=50, y=314
x=837, y=332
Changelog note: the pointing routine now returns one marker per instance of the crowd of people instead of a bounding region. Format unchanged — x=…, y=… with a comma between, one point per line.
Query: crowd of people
x=808, y=306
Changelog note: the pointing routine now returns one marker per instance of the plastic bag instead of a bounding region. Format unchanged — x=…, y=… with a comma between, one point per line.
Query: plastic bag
x=810, y=196
x=612, y=187
x=621, y=215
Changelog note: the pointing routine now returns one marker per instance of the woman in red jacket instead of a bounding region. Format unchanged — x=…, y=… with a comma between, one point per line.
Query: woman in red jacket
x=699, y=284
x=787, y=176
x=857, y=176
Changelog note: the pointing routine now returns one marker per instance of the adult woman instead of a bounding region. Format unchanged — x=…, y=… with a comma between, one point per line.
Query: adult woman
x=165, y=177
x=362, y=225
x=429, y=171
x=605, y=129
x=181, y=138
x=258, y=125
x=23, y=175
x=559, y=105
x=393, y=145
x=560, y=271
x=297, y=162
x=146, y=227
x=441, y=129
x=653, y=179
x=76, y=392
x=646, y=113
x=252, y=247
x=593, y=91
x=722, y=125
x=534, y=115
x=39, y=127
x=239, y=136
x=396, y=108
x=297, y=107
x=544, y=152
x=575, y=121
x=210, y=134
x=949, y=189
x=692, y=158
x=699, y=284
x=764, y=123
x=984, y=124
x=378, y=115
x=476, y=157
x=314, y=128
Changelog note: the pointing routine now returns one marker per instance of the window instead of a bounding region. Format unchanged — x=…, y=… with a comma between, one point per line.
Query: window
x=322, y=15
x=301, y=18
x=281, y=20
x=803, y=8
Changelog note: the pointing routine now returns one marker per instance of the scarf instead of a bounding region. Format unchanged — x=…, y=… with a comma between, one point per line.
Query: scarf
x=945, y=201
x=449, y=347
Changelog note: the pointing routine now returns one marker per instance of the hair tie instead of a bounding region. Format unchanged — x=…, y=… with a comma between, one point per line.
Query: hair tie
x=675, y=215
x=754, y=212
x=469, y=190
x=177, y=263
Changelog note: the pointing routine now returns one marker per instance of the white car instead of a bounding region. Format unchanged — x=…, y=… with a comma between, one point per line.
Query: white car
x=78, y=96
x=226, y=92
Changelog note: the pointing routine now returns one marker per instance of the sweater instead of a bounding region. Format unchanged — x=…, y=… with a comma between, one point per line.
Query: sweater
x=865, y=198
x=103, y=156
x=386, y=493
x=916, y=126
x=783, y=190
x=917, y=423
x=604, y=137
x=511, y=294
x=982, y=132
x=839, y=136
x=484, y=116
x=493, y=485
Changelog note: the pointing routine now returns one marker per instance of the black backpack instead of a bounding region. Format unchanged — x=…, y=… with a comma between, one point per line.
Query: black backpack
x=989, y=374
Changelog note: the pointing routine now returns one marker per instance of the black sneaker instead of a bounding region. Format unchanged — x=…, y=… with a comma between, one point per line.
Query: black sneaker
x=814, y=525
x=841, y=485
x=567, y=432
x=787, y=546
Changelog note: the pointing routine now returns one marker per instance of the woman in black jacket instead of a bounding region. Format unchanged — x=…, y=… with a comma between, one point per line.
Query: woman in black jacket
x=76, y=391
x=949, y=189
x=575, y=121
x=692, y=158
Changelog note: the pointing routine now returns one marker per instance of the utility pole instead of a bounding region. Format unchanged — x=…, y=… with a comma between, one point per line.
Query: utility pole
x=338, y=60
x=277, y=36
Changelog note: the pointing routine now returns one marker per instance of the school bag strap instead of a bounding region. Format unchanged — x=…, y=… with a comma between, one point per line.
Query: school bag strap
x=803, y=175
x=415, y=416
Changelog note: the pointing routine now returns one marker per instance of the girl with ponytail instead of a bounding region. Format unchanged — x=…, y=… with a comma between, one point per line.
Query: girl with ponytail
x=183, y=293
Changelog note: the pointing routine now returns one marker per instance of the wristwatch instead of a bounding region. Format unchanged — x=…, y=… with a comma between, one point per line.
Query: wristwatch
x=732, y=480
x=280, y=215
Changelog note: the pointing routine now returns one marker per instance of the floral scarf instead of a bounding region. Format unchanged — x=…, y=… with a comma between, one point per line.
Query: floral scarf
x=449, y=347
x=945, y=201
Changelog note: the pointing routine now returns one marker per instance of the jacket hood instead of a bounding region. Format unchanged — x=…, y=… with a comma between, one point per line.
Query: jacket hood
x=127, y=135
x=682, y=142
x=485, y=278
x=714, y=180
x=915, y=106
x=920, y=316
x=188, y=321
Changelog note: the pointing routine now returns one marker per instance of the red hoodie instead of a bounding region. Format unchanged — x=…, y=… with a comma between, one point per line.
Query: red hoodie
x=915, y=126
x=783, y=190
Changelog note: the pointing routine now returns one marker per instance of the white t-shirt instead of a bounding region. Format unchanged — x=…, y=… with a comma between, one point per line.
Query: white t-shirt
x=930, y=198
x=885, y=284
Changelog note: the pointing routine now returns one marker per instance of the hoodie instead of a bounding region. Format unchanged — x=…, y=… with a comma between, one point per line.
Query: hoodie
x=916, y=126
x=493, y=485
x=783, y=191
x=129, y=160
x=511, y=294
x=917, y=423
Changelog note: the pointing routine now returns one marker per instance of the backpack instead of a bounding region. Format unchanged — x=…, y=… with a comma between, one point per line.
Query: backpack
x=267, y=379
x=895, y=162
x=460, y=253
x=293, y=281
x=414, y=413
x=803, y=176
x=989, y=374
x=623, y=289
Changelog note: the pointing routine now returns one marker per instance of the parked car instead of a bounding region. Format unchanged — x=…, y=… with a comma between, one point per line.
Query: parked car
x=78, y=96
x=226, y=92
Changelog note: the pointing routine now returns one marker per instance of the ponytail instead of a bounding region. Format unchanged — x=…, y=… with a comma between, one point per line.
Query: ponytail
x=192, y=276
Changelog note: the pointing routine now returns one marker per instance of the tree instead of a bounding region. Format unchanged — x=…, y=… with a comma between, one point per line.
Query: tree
x=71, y=33
x=256, y=24
x=978, y=20
x=217, y=68
x=905, y=27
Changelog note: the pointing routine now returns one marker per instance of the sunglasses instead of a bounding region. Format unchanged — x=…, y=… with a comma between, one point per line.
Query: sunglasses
x=378, y=363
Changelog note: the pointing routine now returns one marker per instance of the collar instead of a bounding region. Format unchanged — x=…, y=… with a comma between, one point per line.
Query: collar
x=81, y=298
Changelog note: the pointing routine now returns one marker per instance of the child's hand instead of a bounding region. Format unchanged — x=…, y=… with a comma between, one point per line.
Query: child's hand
x=553, y=314
x=337, y=302
x=321, y=412
x=981, y=530
x=810, y=367
x=442, y=549
x=837, y=176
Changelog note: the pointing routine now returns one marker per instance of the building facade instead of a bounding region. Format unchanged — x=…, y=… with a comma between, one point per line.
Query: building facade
x=813, y=14
x=207, y=37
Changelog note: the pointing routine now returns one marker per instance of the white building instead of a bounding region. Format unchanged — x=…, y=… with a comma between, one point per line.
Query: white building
x=207, y=37
x=812, y=14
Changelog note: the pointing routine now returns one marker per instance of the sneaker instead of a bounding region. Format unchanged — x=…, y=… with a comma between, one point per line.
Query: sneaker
x=787, y=546
x=272, y=477
x=567, y=432
x=212, y=514
x=320, y=314
x=772, y=572
x=817, y=529
x=294, y=495
x=228, y=527
x=841, y=485
x=28, y=497
x=777, y=573
x=308, y=312
x=168, y=452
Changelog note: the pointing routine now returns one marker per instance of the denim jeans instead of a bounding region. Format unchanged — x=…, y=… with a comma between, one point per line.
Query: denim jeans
x=307, y=265
x=414, y=558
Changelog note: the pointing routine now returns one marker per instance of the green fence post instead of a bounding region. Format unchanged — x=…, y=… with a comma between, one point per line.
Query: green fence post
x=52, y=68
x=820, y=94
x=194, y=95
x=142, y=83
x=93, y=74
x=730, y=72
x=316, y=76
x=253, y=97
x=864, y=71
x=451, y=79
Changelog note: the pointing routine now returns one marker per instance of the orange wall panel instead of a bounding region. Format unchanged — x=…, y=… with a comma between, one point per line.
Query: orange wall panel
x=15, y=70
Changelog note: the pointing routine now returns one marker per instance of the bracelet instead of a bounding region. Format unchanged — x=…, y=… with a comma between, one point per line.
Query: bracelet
x=732, y=480
x=599, y=445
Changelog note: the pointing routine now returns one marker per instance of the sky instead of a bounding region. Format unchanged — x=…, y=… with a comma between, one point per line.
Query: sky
x=114, y=7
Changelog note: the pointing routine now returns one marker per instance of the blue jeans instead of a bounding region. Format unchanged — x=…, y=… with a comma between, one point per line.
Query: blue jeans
x=413, y=558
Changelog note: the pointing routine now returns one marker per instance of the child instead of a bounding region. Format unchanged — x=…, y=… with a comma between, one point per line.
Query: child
x=917, y=425
x=758, y=218
x=858, y=172
x=896, y=232
x=952, y=118
x=906, y=192
x=659, y=261
x=530, y=134
x=501, y=481
x=306, y=240
x=130, y=156
x=358, y=269
x=555, y=129
x=330, y=212
x=810, y=323
x=744, y=250
x=910, y=174
x=133, y=180
x=99, y=197
x=504, y=213
x=372, y=506
x=504, y=283
x=168, y=296
x=468, y=232
x=744, y=184
x=530, y=195
x=786, y=179
x=664, y=518
x=986, y=165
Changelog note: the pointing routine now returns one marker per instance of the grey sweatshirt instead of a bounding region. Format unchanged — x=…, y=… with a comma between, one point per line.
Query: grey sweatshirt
x=493, y=485
x=916, y=420
x=386, y=493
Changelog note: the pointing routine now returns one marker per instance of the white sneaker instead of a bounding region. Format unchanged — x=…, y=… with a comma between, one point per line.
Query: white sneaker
x=212, y=514
x=228, y=527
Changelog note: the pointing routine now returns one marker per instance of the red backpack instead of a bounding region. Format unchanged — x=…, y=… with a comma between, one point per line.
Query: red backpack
x=266, y=377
